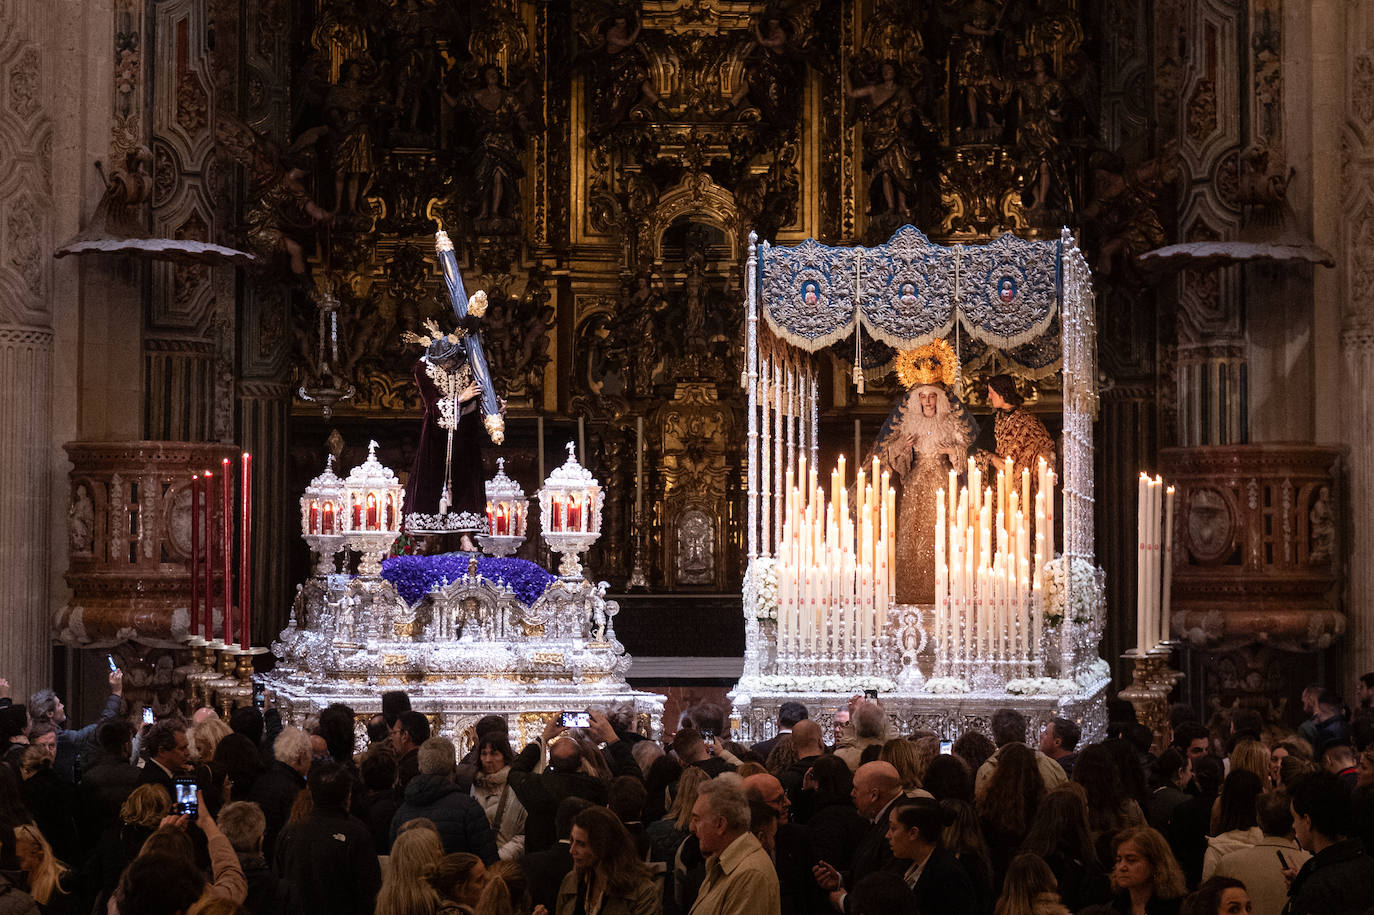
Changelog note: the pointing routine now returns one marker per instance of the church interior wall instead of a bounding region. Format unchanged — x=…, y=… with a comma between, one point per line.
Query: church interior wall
x=595, y=214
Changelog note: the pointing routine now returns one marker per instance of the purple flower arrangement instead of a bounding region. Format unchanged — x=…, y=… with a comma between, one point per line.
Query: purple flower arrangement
x=416, y=576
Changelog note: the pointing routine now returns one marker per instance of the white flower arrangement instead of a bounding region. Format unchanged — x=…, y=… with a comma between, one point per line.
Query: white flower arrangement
x=946, y=685
x=832, y=683
x=1094, y=673
x=1042, y=686
x=765, y=589
x=1086, y=587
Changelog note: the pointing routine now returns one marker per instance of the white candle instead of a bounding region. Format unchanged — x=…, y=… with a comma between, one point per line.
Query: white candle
x=639, y=467
x=1168, y=563
x=941, y=585
x=1142, y=567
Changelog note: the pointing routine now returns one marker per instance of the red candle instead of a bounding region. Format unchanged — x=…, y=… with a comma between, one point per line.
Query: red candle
x=328, y=524
x=246, y=555
x=357, y=514
x=195, y=556
x=372, y=511
x=491, y=519
x=315, y=517
x=227, y=517
x=575, y=514
x=390, y=512
x=207, y=488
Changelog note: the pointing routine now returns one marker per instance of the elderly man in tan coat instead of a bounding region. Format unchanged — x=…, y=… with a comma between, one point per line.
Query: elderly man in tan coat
x=740, y=877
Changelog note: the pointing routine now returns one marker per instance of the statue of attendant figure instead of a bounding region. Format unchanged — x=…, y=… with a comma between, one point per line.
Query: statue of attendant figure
x=1017, y=434
x=925, y=436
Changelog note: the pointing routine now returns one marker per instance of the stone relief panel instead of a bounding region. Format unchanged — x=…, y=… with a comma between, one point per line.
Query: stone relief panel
x=26, y=185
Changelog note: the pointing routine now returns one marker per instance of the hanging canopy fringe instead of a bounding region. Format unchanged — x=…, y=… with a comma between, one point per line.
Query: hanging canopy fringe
x=911, y=291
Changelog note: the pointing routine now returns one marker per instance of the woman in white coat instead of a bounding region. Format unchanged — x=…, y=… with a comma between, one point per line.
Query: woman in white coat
x=489, y=787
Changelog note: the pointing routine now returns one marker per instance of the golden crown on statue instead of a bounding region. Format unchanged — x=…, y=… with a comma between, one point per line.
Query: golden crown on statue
x=933, y=363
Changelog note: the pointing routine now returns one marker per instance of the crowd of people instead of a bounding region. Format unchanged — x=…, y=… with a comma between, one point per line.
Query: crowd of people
x=195, y=815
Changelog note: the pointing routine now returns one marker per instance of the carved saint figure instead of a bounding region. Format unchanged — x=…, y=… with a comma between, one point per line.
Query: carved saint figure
x=281, y=216
x=772, y=81
x=499, y=119
x=1041, y=99
x=81, y=521
x=621, y=80
x=975, y=73
x=1323, y=527
x=1018, y=434
x=347, y=108
x=889, y=151
x=925, y=436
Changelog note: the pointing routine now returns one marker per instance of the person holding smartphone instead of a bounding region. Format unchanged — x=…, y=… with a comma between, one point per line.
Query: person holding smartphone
x=45, y=706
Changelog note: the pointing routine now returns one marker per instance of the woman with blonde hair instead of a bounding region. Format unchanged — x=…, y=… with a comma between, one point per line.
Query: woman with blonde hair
x=1030, y=889
x=1251, y=756
x=414, y=854
x=459, y=880
x=44, y=871
x=205, y=738
x=139, y=817
x=1146, y=877
x=666, y=835
x=505, y=891
x=903, y=756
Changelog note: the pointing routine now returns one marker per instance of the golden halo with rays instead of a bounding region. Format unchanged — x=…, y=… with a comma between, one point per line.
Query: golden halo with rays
x=933, y=363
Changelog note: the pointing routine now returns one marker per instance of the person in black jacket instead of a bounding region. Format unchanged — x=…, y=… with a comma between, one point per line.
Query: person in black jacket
x=1339, y=877
x=412, y=730
x=243, y=825
x=541, y=792
x=432, y=794
x=380, y=799
x=168, y=751
x=544, y=870
x=276, y=790
x=109, y=782
x=328, y=856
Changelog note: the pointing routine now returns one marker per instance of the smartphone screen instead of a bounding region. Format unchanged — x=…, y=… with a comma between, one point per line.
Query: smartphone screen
x=576, y=720
x=186, y=797
x=114, y=668
x=147, y=714
x=259, y=695
x=871, y=693
x=946, y=747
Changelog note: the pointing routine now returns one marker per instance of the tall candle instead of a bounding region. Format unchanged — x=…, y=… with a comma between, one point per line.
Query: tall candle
x=539, y=434
x=227, y=516
x=1168, y=563
x=857, y=452
x=209, y=492
x=941, y=585
x=246, y=555
x=639, y=467
x=195, y=556
x=1142, y=566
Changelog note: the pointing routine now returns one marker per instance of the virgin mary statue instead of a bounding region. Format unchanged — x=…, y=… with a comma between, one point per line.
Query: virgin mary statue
x=925, y=436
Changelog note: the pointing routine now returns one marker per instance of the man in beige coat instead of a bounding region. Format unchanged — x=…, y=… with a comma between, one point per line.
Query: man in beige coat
x=1258, y=866
x=740, y=877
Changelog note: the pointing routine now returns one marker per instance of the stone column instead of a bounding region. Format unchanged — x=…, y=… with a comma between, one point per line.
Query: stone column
x=1355, y=263
x=25, y=406
x=26, y=347
x=1357, y=346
